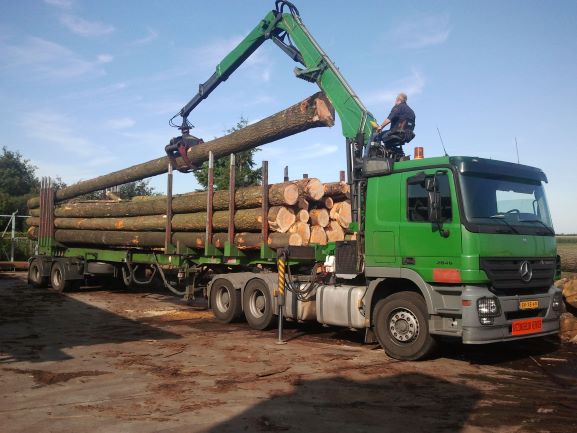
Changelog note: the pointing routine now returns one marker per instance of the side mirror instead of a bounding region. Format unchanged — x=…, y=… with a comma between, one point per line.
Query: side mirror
x=434, y=206
x=431, y=183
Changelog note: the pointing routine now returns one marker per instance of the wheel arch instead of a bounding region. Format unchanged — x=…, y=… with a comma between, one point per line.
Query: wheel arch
x=384, y=286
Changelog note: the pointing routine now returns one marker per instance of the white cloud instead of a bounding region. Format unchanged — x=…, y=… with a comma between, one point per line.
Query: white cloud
x=57, y=131
x=411, y=85
x=46, y=59
x=104, y=58
x=212, y=53
x=64, y=4
x=298, y=153
x=121, y=123
x=422, y=32
x=83, y=27
x=150, y=36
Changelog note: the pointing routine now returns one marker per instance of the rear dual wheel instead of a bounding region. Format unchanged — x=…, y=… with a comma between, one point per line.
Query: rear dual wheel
x=35, y=278
x=225, y=301
x=257, y=305
x=57, y=279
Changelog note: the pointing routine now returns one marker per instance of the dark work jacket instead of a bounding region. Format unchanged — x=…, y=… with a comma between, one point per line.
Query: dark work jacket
x=400, y=116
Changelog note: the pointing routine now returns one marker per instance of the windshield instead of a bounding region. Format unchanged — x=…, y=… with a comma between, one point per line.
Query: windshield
x=506, y=205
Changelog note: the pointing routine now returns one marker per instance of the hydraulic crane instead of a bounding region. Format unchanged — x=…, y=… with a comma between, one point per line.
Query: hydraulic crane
x=288, y=32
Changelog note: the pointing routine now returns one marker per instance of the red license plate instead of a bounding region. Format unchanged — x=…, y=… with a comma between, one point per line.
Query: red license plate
x=527, y=326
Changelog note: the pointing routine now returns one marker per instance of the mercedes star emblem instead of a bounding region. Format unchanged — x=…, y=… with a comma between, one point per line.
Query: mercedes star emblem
x=526, y=271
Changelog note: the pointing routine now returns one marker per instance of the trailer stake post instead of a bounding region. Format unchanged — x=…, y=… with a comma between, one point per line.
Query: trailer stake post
x=280, y=293
x=168, y=247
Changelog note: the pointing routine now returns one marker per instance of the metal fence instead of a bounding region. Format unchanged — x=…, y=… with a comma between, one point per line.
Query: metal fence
x=14, y=245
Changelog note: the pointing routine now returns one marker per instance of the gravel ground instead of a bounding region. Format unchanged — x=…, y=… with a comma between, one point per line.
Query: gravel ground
x=142, y=361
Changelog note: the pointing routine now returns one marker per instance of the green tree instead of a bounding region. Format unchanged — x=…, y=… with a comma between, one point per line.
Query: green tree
x=126, y=191
x=245, y=173
x=18, y=174
x=133, y=189
x=18, y=182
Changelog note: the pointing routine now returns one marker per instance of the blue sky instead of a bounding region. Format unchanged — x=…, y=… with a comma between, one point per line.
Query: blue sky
x=87, y=87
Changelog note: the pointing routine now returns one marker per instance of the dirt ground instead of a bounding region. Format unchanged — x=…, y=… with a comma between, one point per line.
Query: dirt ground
x=143, y=361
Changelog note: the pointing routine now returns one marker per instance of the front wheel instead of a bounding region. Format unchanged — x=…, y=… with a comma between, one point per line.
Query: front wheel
x=402, y=326
x=257, y=305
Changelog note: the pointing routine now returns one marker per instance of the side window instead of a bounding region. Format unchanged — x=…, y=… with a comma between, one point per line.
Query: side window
x=418, y=198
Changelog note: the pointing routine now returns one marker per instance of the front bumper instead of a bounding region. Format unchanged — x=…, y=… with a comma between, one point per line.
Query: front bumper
x=473, y=332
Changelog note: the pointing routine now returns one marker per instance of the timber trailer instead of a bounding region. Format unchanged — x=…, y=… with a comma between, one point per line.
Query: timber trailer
x=447, y=247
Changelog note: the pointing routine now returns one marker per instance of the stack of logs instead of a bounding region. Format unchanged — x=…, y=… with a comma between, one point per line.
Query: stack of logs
x=302, y=212
x=569, y=317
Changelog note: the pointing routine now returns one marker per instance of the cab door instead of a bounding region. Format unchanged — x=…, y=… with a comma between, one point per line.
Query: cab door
x=432, y=248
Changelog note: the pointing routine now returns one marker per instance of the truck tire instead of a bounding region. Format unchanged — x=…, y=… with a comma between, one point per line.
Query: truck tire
x=225, y=301
x=402, y=326
x=257, y=305
x=57, y=279
x=35, y=278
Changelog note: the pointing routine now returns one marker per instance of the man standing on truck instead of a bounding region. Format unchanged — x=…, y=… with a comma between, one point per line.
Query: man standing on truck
x=402, y=121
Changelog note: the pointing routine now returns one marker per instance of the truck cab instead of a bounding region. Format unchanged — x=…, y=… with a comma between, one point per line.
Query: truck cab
x=474, y=238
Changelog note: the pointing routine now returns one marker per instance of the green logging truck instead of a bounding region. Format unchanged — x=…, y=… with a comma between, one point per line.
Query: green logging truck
x=444, y=247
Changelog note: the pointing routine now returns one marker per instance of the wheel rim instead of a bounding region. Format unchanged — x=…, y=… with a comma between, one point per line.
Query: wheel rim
x=222, y=299
x=57, y=278
x=403, y=325
x=257, y=304
x=35, y=273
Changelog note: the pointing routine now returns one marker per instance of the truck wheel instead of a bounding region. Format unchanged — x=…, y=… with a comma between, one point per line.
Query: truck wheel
x=57, y=281
x=35, y=278
x=402, y=326
x=257, y=304
x=225, y=301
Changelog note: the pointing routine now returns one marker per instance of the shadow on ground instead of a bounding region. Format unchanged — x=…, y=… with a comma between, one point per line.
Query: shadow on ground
x=410, y=402
x=36, y=324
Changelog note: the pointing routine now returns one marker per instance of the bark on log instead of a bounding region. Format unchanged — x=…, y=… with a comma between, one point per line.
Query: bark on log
x=280, y=194
x=335, y=232
x=303, y=203
x=341, y=212
x=310, y=188
x=318, y=235
x=319, y=217
x=244, y=241
x=280, y=218
x=313, y=112
x=303, y=229
x=337, y=189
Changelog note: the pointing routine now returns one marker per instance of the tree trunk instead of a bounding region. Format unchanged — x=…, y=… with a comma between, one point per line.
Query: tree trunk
x=310, y=188
x=303, y=216
x=280, y=194
x=303, y=229
x=280, y=218
x=319, y=217
x=303, y=203
x=318, y=235
x=335, y=232
x=328, y=202
x=337, y=189
x=313, y=112
x=341, y=212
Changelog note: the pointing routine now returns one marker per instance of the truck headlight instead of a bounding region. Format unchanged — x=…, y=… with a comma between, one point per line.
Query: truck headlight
x=556, y=302
x=488, y=309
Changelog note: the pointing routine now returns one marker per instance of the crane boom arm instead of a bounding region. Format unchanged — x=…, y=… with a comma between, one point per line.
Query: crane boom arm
x=288, y=32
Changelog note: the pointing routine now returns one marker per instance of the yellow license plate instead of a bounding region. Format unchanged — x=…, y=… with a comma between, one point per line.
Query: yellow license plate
x=528, y=305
